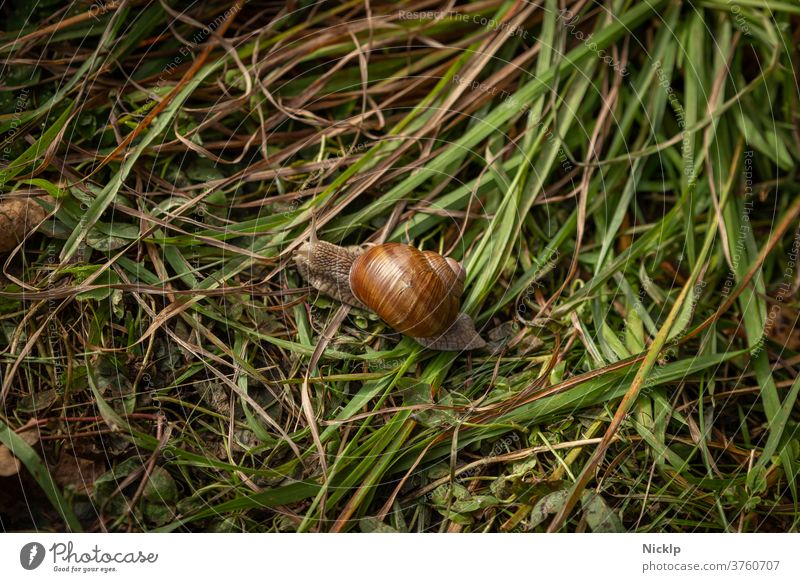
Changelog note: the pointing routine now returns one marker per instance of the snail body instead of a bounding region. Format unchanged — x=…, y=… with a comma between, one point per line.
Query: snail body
x=416, y=292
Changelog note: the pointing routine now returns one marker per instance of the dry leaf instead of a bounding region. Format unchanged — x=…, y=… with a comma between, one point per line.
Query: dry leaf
x=18, y=216
x=9, y=464
x=784, y=327
x=77, y=473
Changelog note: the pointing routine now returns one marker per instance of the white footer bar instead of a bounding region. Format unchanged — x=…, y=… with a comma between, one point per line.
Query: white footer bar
x=387, y=557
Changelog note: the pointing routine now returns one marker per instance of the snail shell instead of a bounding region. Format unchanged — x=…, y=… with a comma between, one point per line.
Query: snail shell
x=416, y=292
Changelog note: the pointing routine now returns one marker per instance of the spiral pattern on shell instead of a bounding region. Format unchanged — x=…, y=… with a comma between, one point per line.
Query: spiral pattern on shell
x=416, y=292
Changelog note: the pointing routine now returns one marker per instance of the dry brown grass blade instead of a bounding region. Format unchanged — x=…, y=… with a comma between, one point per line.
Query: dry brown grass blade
x=192, y=348
x=11, y=373
x=633, y=392
x=197, y=64
x=792, y=213
x=483, y=54
x=305, y=392
x=595, y=143
x=95, y=11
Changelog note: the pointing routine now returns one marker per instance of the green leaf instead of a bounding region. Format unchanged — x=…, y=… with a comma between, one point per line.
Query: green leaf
x=599, y=516
x=108, y=237
x=547, y=505
x=38, y=149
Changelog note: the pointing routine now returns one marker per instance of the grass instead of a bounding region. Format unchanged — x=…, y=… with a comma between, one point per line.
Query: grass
x=620, y=179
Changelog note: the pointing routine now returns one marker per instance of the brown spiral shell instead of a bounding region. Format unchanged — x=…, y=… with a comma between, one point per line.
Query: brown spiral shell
x=416, y=292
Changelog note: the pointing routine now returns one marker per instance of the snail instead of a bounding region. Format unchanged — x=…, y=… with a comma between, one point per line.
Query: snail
x=418, y=293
